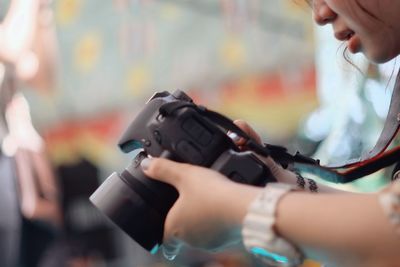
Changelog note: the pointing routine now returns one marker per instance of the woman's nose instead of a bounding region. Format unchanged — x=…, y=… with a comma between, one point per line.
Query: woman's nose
x=322, y=13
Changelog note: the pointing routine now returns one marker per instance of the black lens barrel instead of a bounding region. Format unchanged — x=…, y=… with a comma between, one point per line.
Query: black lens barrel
x=136, y=204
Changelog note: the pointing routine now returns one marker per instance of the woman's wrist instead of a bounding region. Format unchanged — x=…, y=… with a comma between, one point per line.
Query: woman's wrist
x=243, y=197
x=235, y=208
x=260, y=236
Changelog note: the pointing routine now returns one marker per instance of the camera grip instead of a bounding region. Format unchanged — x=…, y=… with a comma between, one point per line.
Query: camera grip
x=243, y=167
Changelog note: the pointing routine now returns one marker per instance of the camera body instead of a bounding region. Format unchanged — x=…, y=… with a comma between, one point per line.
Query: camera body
x=138, y=204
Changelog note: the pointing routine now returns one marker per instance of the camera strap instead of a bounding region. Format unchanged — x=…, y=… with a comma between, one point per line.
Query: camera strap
x=346, y=172
x=377, y=158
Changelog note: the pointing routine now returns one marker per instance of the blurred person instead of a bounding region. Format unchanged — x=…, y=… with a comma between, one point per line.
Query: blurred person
x=281, y=223
x=87, y=240
x=29, y=209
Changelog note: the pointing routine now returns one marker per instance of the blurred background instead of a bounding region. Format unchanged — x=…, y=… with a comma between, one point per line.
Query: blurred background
x=86, y=67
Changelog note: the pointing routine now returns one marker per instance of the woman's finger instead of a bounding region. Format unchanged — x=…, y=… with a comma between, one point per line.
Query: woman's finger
x=240, y=141
x=165, y=170
x=248, y=130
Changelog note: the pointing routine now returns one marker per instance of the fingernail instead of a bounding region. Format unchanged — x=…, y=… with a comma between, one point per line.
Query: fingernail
x=234, y=136
x=145, y=163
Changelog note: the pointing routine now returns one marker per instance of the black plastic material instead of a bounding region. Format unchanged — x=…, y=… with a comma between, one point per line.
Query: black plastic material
x=169, y=126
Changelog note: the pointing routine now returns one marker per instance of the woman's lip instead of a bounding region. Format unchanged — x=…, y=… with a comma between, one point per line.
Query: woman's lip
x=344, y=35
x=354, y=44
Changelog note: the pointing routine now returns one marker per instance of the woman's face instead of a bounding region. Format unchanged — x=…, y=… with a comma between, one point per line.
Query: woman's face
x=368, y=26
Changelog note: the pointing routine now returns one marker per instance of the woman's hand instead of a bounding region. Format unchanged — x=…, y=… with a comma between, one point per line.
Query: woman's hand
x=281, y=174
x=209, y=211
x=277, y=171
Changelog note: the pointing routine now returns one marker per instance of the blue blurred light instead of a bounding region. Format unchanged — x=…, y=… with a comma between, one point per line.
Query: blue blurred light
x=154, y=249
x=131, y=145
x=262, y=252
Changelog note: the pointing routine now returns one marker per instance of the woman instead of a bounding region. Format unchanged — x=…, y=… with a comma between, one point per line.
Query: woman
x=278, y=223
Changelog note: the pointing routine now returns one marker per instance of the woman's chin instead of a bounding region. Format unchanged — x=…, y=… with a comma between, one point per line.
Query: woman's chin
x=380, y=57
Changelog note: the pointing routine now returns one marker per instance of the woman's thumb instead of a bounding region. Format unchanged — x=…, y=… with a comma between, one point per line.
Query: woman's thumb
x=244, y=126
x=164, y=170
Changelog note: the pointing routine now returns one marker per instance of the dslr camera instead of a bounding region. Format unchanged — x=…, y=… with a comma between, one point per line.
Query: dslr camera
x=174, y=127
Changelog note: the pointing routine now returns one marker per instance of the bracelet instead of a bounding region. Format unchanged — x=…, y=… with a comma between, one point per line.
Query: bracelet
x=259, y=235
x=301, y=183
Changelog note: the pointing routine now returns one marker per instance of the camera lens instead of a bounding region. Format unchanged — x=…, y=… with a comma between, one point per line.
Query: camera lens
x=136, y=204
